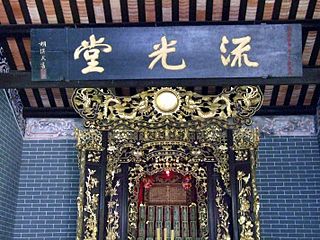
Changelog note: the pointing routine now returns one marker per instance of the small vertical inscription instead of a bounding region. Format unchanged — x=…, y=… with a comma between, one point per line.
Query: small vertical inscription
x=43, y=59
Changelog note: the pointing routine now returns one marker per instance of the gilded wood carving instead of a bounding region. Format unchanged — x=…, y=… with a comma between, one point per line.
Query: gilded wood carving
x=156, y=106
x=152, y=135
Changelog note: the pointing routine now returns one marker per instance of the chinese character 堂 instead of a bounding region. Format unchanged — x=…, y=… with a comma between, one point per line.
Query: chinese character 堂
x=91, y=53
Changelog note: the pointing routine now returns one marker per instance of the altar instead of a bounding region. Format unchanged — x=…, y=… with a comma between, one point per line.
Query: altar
x=168, y=164
x=167, y=201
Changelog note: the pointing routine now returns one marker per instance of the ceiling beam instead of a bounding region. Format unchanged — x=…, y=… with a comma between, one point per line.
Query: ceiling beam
x=286, y=110
x=17, y=79
x=23, y=30
x=69, y=112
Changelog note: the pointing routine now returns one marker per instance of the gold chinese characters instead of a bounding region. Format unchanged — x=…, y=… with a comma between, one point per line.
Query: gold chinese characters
x=162, y=53
x=238, y=53
x=237, y=57
x=91, y=53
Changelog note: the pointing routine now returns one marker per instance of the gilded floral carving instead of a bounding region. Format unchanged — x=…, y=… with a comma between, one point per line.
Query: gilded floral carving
x=91, y=207
x=103, y=108
x=223, y=220
x=244, y=218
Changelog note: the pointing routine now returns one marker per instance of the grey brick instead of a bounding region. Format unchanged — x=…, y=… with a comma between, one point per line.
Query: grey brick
x=52, y=181
x=289, y=203
x=10, y=157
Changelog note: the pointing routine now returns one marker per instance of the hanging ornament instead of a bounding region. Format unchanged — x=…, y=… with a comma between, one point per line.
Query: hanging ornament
x=148, y=182
x=186, y=182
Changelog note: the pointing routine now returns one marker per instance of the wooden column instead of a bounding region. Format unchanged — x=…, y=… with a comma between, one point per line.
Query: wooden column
x=212, y=210
x=234, y=190
x=103, y=210
x=123, y=201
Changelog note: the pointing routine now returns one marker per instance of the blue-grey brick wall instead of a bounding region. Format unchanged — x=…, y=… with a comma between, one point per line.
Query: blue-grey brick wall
x=289, y=186
x=48, y=189
x=10, y=154
x=288, y=182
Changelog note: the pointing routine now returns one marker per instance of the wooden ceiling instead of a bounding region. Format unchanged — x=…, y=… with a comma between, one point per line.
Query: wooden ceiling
x=17, y=17
x=118, y=11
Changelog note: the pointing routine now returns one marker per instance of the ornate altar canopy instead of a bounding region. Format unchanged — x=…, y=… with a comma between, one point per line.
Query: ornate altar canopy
x=168, y=162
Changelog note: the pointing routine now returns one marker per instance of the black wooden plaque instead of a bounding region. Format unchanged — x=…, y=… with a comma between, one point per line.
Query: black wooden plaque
x=275, y=48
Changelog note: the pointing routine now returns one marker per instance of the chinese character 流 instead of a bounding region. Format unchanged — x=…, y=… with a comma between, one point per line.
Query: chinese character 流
x=91, y=53
x=239, y=53
x=162, y=53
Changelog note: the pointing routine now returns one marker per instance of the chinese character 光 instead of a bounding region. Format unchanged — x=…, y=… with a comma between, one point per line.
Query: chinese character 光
x=91, y=53
x=239, y=53
x=162, y=53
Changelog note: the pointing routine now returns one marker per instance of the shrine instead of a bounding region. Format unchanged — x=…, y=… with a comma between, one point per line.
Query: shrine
x=159, y=119
x=168, y=164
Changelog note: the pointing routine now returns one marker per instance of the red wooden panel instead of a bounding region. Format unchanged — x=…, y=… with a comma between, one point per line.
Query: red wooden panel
x=310, y=92
x=133, y=10
x=166, y=11
x=183, y=10
x=295, y=95
x=251, y=10
x=16, y=11
x=285, y=9
x=282, y=95
x=150, y=10
x=217, y=10
x=99, y=11
x=267, y=95
x=82, y=8
x=50, y=11
x=268, y=9
x=33, y=10
x=234, y=10
x=116, y=11
x=15, y=53
x=201, y=10
x=66, y=10
x=308, y=47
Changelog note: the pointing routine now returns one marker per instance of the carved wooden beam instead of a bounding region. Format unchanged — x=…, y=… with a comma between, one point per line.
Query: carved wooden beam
x=17, y=79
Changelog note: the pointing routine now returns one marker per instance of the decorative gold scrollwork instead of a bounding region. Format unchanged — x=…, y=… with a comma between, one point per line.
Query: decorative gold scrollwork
x=256, y=199
x=223, y=220
x=113, y=214
x=153, y=107
x=82, y=162
x=112, y=192
x=93, y=156
x=222, y=167
x=92, y=201
x=244, y=218
x=245, y=138
x=89, y=139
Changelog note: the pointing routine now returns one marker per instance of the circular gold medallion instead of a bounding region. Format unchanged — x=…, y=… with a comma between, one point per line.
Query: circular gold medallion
x=166, y=101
